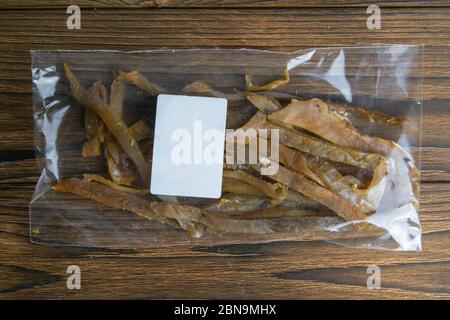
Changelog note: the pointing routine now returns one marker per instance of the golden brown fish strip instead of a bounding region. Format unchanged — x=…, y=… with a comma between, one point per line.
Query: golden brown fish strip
x=192, y=219
x=319, y=148
x=140, y=130
x=303, y=185
x=292, y=159
x=374, y=191
x=263, y=103
x=308, y=144
x=299, y=225
x=296, y=161
x=140, y=81
x=112, y=184
x=243, y=203
x=314, y=115
x=94, y=127
x=276, y=213
x=239, y=187
x=329, y=174
x=187, y=217
x=120, y=168
x=268, y=86
x=91, y=147
x=354, y=113
x=240, y=203
x=362, y=115
x=91, y=123
x=114, y=124
x=118, y=89
x=301, y=200
x=335, y=182
x=203, y=87
x=270, y=94
x=272, y=190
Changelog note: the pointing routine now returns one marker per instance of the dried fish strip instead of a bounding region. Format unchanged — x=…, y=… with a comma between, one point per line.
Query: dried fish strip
x=277, y=212
x=289, y=157
x=112, y=184
x=292, y=159
x=319, y=148
x=274, y=191
x=151, y=210
x=268, y=86
x=298, y=225
x=303, y=185
x=93, y=125
x=377, y=186
x=308, y=144
x=244, y=203
x=140, y=130
x=118, y=89
x=330, y=175
x=270, y=94
x=367, y=199
x=119, y=165
x=91, y=147
x=361, y=115
x=306, y=196
x=139, y=80
x=263, y=103
x=239, y=187
x=314, y=115
x=202, y=87
x=191, y=219
x=120, y=168
x=296, y=161
x=293, y=199
x=300, y=200
x=240, y=203
x=114, y=124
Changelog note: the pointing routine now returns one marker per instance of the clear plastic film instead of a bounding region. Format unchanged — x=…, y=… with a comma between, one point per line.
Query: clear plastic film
x=348, y=123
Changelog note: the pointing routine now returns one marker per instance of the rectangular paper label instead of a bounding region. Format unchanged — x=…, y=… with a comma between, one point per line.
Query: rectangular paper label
x=188, y=146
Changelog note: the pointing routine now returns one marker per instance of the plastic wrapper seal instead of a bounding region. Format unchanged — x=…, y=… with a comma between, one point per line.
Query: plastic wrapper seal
x=348, y=123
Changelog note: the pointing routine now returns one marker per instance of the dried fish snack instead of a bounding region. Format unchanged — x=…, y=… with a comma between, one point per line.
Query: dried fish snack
x=343, y=171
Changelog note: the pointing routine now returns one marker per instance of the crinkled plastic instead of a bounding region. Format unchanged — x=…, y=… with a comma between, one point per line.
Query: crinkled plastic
x=350, y=129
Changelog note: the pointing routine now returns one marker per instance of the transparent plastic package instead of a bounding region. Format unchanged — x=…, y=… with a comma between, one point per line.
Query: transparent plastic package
x=348, y=134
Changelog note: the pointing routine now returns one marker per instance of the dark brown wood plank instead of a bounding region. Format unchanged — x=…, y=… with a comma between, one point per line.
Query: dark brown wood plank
x=274, y=270
x=23, y=4
x=302, y=269
x=274, y=29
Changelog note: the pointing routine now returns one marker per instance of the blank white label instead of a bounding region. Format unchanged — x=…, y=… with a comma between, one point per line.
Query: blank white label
x=188, y=146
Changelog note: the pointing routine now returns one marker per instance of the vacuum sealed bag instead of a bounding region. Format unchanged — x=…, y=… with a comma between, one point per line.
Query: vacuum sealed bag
x=214, y=146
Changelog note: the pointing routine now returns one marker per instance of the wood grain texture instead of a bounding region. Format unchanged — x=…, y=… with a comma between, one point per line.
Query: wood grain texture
x=281, y=30
x=132, y=4
x=307, y=269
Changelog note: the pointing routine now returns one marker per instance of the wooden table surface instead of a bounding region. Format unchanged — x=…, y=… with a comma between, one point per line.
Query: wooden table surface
x=295, y=270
